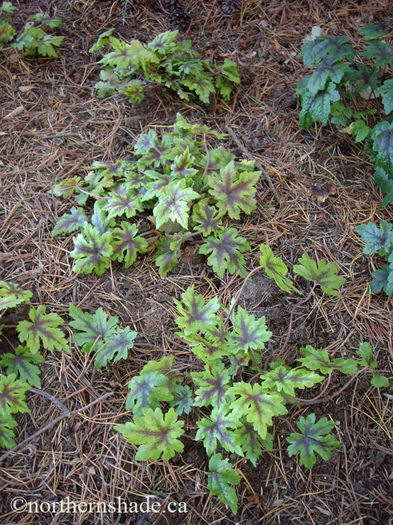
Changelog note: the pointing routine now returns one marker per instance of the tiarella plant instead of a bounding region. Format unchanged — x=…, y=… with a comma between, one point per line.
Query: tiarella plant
x=187, y=188
x=33, y=40
x=128, y=67
x=231, y=400
x=98, y=333
x=379, y=240
x=348, y=87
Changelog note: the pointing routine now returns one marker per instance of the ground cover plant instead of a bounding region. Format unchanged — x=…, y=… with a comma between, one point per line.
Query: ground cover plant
x=164, y=61
x=189, y=188
x=303, y=227
x=354, y=90
x=33, y=40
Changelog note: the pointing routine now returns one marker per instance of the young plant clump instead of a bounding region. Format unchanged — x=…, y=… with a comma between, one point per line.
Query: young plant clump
x=96, y=333
x=189, y=190
x=165, y=61
x=232, y=401
x=33, y=40
x=349, y=91
x=379, y=240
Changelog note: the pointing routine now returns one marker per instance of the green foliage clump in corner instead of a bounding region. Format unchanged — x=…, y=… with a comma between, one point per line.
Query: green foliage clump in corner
x=33, y=40
x=232, y=400
x=379, y=240
x=349, y=89
x=188, y=190
x=91, y=332
x=128, y=67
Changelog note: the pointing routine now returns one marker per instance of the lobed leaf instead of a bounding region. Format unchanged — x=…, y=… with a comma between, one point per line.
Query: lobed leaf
x=11, y=294
x=218, y=428
x=12, y=395
x=156, y=433
x=313, y=438
x=220, y=477
x=276, y=268
x=24, y=365
x=42, y=329
x=324, y=274
x=226, y=252
x=92, y=250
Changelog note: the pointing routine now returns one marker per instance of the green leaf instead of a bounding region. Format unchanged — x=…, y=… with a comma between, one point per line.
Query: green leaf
x=234, y=192
x=251, y=443
x=316, y=360
x=375, y=238
x=156, y=433
x=375, y=30
x=182, y=400
x=318, y=106
x=285, y=379
x=228, y=78
x=7, y=436
x=218, y=428
x=328, y=68
x=226, y=252
x=12, y=395
x=102, y=40
x=314, y=438
x=379, y=52
x=66, y=188
x=163, y=42
x=11, y=294
x=383, y=181
x=324, y=274
x=195, y=314
x=90, y=329
x=220, y=477
x=321, y=47
x=382, y=136
x=166, y=256
x=379, y=381
x=116, y=347
x=7, y=33
x=127, y=244
x=205, y=218
x=174, y=204
x=386, y=90
x=69, y=222
x=212, y=385
x=383, y=280
x=23, y=364
x=42, y=329
x=248, y=332
x=7, y=7
x=276, y=268
x=360, y=129
x=122, y=200
x=147, y=390
x=45, y=20
x=367, y=355
x=92, y=250
x=256, y=405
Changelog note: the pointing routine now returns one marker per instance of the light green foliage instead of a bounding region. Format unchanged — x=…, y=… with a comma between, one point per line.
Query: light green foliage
x=23, y=364
x=323, y=273
x=33, y=40
x=99, y=333
x=314, y=437
x=379, y=240
x=229, y=414
x=220, y=478
x=368, y=360
x=12, y=395
x=42, y=329
x=276, y=268
x=7, y=425
x=187, y=189
x=11, y=294
x=7, y=32
x=156, y=433
x=128, y=67
x=342, y=82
